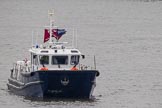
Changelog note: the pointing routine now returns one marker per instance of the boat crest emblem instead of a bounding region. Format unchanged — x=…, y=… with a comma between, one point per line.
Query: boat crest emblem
x=65, y=81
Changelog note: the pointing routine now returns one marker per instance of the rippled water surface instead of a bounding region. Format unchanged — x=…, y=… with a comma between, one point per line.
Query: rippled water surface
x=125, y=36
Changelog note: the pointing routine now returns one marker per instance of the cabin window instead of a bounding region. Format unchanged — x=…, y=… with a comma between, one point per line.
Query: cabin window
x=74, y=59
x=35, y=60
x=62, y=60
x=44, y=59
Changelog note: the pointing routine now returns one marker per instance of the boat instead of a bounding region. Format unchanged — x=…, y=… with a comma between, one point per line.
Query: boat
x=53, y=70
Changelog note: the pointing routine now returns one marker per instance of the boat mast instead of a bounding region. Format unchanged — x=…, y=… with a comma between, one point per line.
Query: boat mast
x=51, y=13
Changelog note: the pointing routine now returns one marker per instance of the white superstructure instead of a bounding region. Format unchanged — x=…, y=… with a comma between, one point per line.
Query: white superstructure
x=55, y=56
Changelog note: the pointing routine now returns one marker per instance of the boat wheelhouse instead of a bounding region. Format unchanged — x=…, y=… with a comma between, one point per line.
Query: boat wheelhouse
x=55, y=57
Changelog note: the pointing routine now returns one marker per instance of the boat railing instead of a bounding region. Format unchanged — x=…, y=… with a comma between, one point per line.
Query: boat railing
x=21, y=67
x=85, y=67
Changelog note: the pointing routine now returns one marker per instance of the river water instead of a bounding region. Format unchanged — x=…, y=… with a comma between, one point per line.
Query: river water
x=124, y=35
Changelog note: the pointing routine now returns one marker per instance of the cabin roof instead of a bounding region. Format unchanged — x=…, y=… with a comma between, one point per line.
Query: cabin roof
x=54, y=51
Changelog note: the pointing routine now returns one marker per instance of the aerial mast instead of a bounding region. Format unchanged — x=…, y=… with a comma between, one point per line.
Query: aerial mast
x=50, y=14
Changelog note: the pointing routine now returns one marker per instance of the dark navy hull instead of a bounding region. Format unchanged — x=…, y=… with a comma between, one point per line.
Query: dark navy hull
x=57, y=84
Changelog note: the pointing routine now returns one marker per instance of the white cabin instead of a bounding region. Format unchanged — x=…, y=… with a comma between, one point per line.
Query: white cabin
x=54, y=57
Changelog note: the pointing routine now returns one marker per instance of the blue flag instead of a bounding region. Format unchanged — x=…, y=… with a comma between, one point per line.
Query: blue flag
x=57, y=33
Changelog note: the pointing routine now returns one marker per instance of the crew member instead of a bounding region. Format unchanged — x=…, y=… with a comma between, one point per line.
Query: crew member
x=44, y=68
x=74, y=68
